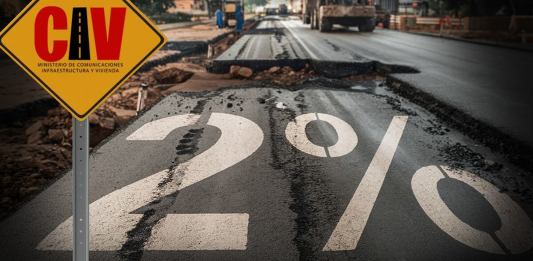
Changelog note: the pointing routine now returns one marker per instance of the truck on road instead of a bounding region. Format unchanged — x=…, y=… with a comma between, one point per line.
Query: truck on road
x=323, y=14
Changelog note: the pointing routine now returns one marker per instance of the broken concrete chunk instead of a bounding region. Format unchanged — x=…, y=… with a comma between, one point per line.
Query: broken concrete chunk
x=274, y=69
x=234, y=70
x=245, y=72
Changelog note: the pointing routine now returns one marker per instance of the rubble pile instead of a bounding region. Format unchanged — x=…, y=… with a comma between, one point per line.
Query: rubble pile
x=33, y=156
x=119, y=108
x=26, y=169
x=284, y=76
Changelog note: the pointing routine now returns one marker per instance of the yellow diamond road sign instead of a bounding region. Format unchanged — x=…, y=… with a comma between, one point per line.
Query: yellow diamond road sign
x=80, y=51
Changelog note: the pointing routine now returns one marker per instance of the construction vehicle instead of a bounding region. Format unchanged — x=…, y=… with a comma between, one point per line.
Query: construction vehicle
x=323, y=14
x=229, y=7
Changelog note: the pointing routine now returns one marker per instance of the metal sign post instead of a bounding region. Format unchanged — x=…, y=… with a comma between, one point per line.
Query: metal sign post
x=80, y=191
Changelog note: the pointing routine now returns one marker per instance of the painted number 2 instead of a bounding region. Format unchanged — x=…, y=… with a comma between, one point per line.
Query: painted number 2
x=110, y=216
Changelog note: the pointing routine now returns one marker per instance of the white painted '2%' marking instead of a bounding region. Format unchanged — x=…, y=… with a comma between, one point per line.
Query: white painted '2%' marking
x=110, y=217
x=353, y=221
x=515, y=233
x=346, y=141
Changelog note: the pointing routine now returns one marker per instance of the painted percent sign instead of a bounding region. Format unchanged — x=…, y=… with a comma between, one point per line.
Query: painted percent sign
x=111, y=216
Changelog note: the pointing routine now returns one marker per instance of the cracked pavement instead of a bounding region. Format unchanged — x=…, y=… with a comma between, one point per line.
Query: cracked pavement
x=325, y=170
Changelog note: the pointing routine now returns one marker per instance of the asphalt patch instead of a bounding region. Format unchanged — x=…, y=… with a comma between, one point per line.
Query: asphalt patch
x=514, y=150
x=436, y=128
x=460, y=156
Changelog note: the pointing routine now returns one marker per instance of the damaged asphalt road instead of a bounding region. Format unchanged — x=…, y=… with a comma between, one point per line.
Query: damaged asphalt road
x=234, y=175
x=321, y=169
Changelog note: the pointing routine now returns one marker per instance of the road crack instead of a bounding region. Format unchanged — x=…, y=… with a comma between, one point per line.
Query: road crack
x=310, y=196
x=156, y=210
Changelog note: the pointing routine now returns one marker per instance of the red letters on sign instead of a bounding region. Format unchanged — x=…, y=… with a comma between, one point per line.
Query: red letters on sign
x=107, y=39
x=59, y=22
x=108, y=43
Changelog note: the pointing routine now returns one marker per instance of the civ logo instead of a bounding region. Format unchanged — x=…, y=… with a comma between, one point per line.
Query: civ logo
x=80, y=50
x=107, y=43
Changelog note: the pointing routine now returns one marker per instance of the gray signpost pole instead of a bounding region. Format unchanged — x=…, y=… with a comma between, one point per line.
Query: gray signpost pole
x=80, y=192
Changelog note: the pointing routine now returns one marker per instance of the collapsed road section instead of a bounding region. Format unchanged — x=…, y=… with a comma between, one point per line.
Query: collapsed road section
x=272, y=43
